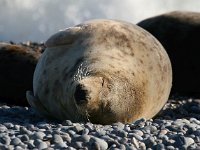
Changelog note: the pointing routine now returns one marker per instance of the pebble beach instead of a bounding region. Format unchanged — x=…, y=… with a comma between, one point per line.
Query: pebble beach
x=177, y=126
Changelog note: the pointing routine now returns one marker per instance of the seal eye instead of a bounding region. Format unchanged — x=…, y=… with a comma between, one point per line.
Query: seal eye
x=80, y=95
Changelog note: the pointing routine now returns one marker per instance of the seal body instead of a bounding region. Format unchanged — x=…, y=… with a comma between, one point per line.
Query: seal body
x=102, y=71
x=17, y=65
x=178, y=31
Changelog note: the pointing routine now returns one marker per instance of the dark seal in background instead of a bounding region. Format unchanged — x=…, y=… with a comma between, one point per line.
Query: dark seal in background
x=179, y=33
x=17, y=64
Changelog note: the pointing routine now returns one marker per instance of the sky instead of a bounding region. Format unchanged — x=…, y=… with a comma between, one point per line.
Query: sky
x=37, y=20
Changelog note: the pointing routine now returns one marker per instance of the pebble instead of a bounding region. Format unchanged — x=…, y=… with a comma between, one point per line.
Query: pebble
x=42, y=145
x=103, y=145
x=138, y=137
x=57, y=139
x=38, y=135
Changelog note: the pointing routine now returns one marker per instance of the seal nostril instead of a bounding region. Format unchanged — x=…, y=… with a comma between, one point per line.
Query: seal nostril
x=80, y=95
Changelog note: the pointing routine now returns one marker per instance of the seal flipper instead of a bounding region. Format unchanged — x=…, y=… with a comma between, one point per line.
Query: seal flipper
x=36, y=104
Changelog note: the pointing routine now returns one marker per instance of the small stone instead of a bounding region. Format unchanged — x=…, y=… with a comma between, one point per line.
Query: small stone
x=15, y=141
x=194, y=120
x=160, y=146
x=99, y=142
x=137, y=137
x=188, y=141
x=57, y=139
x=5, y=140
x=135, y=142
x=83, y=138
x=151, y=128
x=37, y=142
x=170, y=147
x=78, y=144
x=70, y=148
x=8, y=125
x=78, y=128
x=118, y=125
x=85, y=131
x=197, y=133
x=66, y=138
x=138, y=132
x=25, y=131
x=30, y=144
x=67, y=123
x=18, y=148
x=71, y=132
x=142, y=145
x=60, y=145
x=95, y=146
x=122, y=147
x=163, y=131
x=38, y=135
x=24, y=138
x=150, y=142
x=2, y=129
x=42, y=145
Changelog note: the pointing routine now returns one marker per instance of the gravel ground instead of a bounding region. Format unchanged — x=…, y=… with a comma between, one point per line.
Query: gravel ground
x=177, y=126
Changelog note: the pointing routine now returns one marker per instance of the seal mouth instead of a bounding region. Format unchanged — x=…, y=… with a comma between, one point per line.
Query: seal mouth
x=81, y=95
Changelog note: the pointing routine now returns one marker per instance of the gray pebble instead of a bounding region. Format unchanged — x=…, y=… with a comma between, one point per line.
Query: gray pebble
x=60, y=145
x=37, y=142
x=38, y=135
x=24, y=138
x=118, y=125
x=170, y=147
x=85, y=131
x=78, y=144
x=83, y=138
x=135, y=142
x=160, y=146
x=71, y=132
x=194, y=120
x=188, y=141
x=5, y=140
x=15, y=141
x=150, y=142
x=2, y=129
x=67, y=123
x=19, y=148
x=101, y=143
x=57, y=139
x=30, y=144
x=138, y=137
x=42, y=145
x=142, y=145
x=70, y=148
x=78, y=128
x=95, y=146
x=138, y=132
x=122, y=147
x=8, y=125
x=66, y=138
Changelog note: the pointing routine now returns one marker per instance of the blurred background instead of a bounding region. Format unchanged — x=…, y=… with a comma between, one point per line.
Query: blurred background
x=36, y=20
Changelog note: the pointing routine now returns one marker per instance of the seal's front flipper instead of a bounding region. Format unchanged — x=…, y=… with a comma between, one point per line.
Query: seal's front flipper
x=36, y=104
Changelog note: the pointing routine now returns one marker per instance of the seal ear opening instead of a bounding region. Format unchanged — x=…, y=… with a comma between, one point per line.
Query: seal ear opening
x=36, y=104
